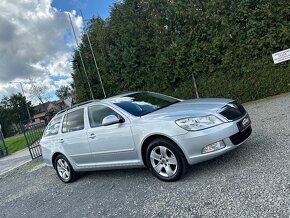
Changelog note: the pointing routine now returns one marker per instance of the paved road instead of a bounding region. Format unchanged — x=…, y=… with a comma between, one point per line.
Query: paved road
x=251, y=181
x=14, y=160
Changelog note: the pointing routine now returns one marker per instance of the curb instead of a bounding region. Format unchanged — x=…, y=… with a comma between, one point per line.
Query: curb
x=15, y=167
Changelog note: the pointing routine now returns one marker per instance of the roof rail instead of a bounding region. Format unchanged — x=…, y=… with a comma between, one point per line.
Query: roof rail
x=77, y=105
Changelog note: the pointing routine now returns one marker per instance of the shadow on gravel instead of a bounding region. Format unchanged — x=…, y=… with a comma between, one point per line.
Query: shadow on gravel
x=115, y=174
x=220, y=164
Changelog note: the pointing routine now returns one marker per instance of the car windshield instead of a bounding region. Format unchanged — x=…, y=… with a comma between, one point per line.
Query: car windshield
x=141, y=103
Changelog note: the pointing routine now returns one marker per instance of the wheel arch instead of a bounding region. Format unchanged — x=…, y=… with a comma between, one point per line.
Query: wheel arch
x=151, y=138
x=54, y=157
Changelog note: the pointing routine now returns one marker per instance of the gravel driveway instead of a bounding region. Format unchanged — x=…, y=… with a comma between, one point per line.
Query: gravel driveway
x=251, y=181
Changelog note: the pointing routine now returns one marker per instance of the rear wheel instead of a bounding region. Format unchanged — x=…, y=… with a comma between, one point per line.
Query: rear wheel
x=64, y=169
x=165, y=160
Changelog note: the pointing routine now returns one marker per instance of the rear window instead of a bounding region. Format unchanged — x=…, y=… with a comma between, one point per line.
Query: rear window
x=53, y=127
x=73, y=121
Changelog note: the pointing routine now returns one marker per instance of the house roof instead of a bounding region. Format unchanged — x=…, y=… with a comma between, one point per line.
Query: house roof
x=41, y=107
x=59, y=102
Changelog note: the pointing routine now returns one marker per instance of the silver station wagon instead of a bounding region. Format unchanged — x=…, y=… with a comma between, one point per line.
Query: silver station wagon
x=163, y=133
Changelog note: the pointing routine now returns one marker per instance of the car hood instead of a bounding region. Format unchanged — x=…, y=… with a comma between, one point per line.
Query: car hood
x=194, y=108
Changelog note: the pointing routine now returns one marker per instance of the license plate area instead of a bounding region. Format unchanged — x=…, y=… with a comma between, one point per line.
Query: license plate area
x=244, y=123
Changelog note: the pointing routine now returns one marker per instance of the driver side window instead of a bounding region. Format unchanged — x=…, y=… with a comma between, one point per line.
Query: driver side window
x=98, y=113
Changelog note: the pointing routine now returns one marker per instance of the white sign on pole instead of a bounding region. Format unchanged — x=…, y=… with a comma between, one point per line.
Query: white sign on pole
x=281, y=56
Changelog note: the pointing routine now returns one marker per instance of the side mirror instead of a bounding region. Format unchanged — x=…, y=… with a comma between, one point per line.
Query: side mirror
x=111, y=119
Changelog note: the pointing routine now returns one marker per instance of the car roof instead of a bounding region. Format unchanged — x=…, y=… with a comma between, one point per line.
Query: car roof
x=106, y=100
x=122, y=95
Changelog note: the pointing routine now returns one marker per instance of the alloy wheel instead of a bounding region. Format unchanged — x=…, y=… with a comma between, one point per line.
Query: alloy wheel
x=163, y=161
x=63, y=169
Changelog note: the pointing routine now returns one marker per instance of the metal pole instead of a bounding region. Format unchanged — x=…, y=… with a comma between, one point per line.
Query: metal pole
x=92, y=51
x=24, y=133
x=92, y=95
x=3, y=140
x=194, y=85
x=25, y=102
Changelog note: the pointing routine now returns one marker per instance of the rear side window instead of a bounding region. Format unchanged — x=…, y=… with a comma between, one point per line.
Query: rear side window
x=98, y=113
x=53, y=127
x=73, y=121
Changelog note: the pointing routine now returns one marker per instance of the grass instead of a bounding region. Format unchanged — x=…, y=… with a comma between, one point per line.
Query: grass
x=16, y=143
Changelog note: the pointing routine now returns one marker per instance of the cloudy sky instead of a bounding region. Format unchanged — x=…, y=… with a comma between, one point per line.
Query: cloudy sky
x=36, y=41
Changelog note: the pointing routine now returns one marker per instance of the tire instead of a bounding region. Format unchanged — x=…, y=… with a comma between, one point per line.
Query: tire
x=166, y=160
x=64, y=170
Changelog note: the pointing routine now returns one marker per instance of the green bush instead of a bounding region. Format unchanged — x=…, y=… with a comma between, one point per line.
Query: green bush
x=157, y=45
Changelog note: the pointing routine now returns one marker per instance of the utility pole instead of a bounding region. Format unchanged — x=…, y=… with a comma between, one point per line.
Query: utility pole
x=95, y=61
x=92, y=95
x=25, y=100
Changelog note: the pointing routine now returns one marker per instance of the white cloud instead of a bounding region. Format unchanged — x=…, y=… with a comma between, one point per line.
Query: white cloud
x=60, y=64
x=63, y=82
x=7, y=89
x=35, y=42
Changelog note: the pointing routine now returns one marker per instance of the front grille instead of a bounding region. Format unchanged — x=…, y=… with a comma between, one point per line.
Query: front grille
x=241, y=136
x=233, y=113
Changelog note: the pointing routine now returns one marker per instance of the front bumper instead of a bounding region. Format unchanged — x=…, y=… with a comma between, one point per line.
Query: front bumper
x=193, y=142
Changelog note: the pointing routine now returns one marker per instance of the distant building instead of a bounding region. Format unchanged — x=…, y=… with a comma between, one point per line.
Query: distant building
x=46, y=111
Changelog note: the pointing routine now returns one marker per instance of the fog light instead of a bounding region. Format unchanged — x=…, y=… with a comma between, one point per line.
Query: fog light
x=213, y=147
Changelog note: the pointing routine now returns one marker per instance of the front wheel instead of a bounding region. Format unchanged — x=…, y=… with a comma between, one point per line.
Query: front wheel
x=64, y=169
x=165, y=160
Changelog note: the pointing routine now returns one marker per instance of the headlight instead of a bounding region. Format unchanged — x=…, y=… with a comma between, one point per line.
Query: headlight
x=198, y=123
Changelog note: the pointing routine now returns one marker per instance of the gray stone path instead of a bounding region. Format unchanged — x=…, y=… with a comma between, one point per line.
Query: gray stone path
x=15, y=160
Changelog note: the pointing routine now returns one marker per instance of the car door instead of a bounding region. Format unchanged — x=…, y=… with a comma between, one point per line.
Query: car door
x=73, y=138
x=111, y=144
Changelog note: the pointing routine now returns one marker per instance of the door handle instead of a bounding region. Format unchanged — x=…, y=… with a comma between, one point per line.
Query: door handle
x=92, y=136
x=61, y=141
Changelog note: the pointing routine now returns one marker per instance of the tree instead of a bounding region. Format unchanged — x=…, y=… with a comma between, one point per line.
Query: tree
x=63, y=92
x=17, y=105
x=13, y=111
x=157, y=45
x=39, y=91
